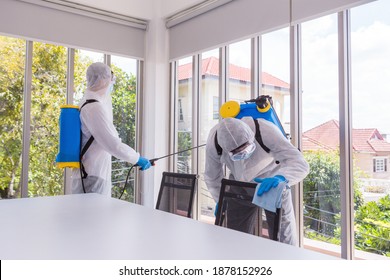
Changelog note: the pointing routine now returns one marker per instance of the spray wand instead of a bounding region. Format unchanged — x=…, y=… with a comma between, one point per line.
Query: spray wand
x=155, y=159
x=152, y=162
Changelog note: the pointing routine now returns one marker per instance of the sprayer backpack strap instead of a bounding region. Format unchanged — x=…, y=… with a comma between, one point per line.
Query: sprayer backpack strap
x=88, y=144
x=258, y=137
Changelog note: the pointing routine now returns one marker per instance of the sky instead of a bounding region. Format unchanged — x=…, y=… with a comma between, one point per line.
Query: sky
x=370, y=62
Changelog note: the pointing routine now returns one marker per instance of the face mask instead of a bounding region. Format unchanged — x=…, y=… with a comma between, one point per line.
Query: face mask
x=110, y=88
x=244, y=154
x=112, y=83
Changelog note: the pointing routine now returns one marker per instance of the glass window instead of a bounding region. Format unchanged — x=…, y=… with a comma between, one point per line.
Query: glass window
x=275, y=77
x=181, y=118
x=209, y=116
x=49, y=70
x=380, y=164
x=321, y=188
x=82, y=59
x=124, y=97
x=184, y=127
x=240, y=71
x=370, y=56
x=215, y=108
x=48, y=94
x=12, y=62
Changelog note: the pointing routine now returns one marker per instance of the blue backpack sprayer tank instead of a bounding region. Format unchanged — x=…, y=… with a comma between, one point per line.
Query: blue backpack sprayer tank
x=70, y=135
x=260, y=107
x=70, y=153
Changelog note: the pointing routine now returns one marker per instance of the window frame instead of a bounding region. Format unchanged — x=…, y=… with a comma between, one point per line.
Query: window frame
x=344, y=93
x=27, y=89
x=380, y=164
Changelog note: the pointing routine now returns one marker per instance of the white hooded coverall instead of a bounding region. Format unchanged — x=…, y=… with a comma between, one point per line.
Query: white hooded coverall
x=283, y=159
x=97, y=120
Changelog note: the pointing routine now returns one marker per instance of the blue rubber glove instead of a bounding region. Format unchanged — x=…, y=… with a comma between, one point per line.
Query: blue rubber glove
x=216, y=210
x=268, y=183
x=144, y=163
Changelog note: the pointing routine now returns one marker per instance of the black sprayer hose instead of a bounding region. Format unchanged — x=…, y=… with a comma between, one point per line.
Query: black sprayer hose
x=127, y=178
x=152, y=163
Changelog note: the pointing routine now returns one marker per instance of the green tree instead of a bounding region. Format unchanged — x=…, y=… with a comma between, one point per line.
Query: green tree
x=124, y=110
x=372, y=227
x=11, y=112
x=184, y=143
x=322, y=193
x=48, y=94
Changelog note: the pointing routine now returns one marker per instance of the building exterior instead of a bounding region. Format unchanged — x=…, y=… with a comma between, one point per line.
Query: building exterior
x=239, y=90
x=371, y=151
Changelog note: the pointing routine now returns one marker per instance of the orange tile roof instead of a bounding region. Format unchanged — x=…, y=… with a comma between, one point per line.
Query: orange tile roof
x=324, y=133
x=310, y=144
x=210, y=67
x=326, y=137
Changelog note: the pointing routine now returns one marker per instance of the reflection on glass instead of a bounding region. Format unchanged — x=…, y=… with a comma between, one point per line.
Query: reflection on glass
x=12, y=61
x=321, y=188
x=240, y=71
x=371, y=128
x=124, y=110
x=209, y=116
x=184, y=117
x=48, y=94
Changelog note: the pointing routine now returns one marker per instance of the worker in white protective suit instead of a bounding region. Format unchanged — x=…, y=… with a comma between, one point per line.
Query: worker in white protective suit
x=249, y=162
x=97, y=121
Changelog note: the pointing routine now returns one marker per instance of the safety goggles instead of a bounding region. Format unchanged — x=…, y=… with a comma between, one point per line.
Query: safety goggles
x=242, y=152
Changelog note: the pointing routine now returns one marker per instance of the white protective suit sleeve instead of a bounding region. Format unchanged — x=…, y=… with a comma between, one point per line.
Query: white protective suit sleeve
x=97, y=122
x=214, y=168
x=292, y=164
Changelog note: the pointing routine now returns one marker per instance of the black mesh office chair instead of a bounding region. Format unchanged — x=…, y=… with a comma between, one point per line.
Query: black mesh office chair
x=176, y=193
x=236, y=210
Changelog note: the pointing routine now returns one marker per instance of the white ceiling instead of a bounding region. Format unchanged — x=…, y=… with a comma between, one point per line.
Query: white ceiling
x=143, y=9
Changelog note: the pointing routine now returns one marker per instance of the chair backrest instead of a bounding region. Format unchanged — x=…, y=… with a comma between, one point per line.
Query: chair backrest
x=235, y=207
x=176, y=193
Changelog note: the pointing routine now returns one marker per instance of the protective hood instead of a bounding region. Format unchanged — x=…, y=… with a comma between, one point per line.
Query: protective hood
x=98, y=76
x=233, y=133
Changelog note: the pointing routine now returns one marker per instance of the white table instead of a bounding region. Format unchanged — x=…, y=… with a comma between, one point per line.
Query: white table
x=94, y=227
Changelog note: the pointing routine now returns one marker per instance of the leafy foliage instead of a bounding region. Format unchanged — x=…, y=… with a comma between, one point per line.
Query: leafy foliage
x=322, y=192
x=124, y=110
x=11, y=113
x=372, y=227
x=322, y=207
x=184, y=143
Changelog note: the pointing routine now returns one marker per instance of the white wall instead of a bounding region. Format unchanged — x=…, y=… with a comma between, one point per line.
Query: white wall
x=242, y=19
x=39, y=23
x=155, y=121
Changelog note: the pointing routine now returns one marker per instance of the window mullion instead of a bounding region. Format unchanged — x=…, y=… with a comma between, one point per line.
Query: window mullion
x=346, y=164
x=26, y=119
x=69, y=100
